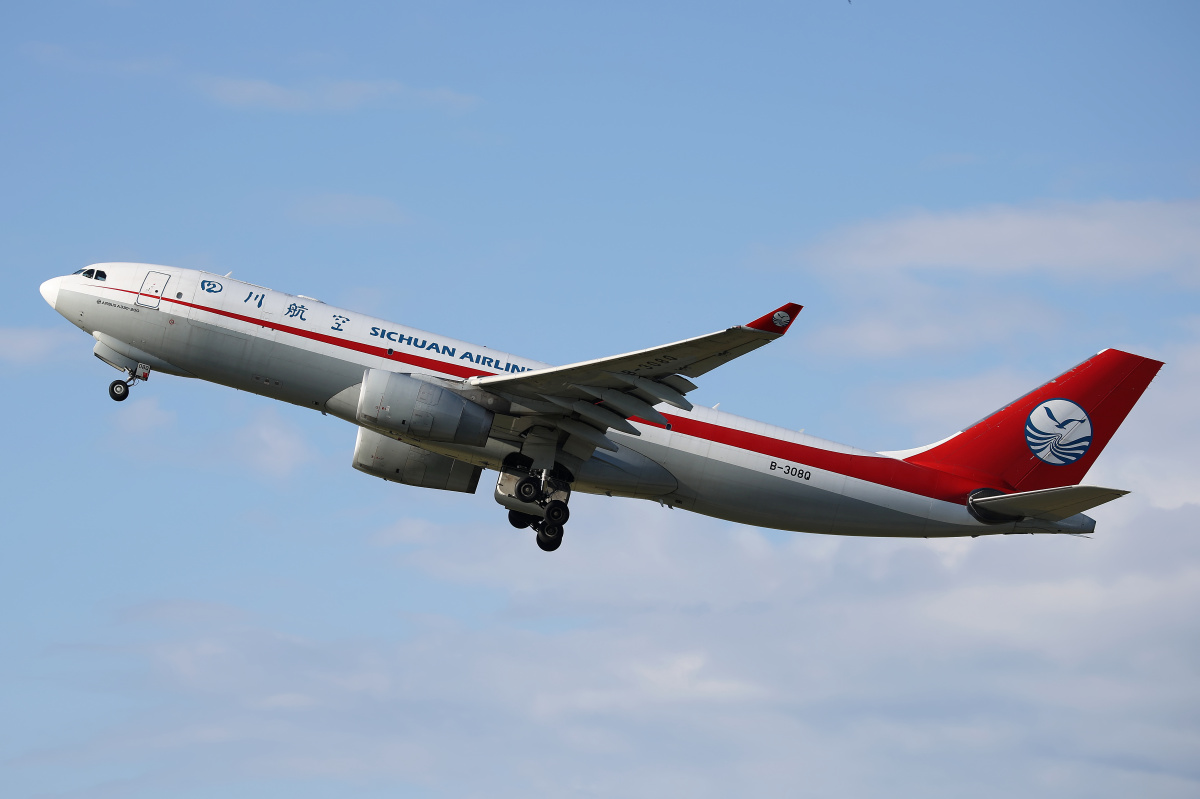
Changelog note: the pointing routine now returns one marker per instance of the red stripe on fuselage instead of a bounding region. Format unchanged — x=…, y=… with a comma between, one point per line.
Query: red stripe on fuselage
x=881, y=470
x=368, y=349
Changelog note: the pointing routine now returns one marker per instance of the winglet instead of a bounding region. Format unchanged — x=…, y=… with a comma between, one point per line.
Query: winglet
x=777, y=321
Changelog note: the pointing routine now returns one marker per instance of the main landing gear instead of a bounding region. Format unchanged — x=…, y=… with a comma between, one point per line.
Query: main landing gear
x=535, y=499
x=119, y=389
x=549, y=535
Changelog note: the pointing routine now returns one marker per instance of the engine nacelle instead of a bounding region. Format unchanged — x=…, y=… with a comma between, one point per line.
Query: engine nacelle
x=405, y=406
x=380, y=456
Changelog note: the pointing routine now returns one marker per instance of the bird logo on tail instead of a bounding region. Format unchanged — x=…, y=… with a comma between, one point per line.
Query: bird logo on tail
x=1058, y=442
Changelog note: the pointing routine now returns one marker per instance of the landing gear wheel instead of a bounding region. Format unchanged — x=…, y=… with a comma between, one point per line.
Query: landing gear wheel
x=118, y=390
x=557, y=512
x=549, y=538
x=520, y=520
x=527, y=489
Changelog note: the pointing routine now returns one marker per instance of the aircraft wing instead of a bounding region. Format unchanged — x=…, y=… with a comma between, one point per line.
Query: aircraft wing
x=586, y=399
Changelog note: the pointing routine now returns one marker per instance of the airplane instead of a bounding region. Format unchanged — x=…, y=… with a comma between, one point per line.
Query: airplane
x=434, y=412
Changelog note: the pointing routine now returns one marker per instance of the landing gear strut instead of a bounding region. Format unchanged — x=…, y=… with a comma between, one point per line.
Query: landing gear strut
x=535, y=498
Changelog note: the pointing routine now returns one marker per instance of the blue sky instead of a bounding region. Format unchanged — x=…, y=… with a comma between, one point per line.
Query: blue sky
x=199, y=597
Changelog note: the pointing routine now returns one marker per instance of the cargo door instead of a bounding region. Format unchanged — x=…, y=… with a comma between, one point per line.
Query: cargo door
x=152, y=289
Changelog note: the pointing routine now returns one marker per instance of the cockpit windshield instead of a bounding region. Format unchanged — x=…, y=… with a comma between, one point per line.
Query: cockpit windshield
x=94, y=274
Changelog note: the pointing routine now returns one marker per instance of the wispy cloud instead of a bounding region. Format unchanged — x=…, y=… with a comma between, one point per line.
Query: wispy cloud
x=789, y=663
x=1152, y=454
x=953, y=281
x=319, y=95
x=347, y=210
x=58, y=56
x=938, y=407
x=145, y=415
x=268, y=445
x=325, y=95
x=1111, y=238
x=21, y=346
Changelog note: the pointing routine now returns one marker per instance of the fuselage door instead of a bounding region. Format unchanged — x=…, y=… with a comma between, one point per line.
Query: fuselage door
x=152, y=289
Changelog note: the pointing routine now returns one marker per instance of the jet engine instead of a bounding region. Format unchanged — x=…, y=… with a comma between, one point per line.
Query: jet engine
x=405, y=406
x=380, y=456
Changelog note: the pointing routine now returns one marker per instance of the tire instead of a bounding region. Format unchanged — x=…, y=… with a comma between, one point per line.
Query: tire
x=527, y=489
x=557, y=512
x=118, y=390
x=550, y=537
x=520, y=520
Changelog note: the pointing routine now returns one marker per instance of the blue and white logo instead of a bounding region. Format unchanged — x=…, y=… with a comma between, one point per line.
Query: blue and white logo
x=211, y=286
x=1058, y=431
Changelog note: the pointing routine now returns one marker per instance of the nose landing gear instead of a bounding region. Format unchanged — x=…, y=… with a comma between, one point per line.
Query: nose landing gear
x=119, y=389
x=536, y=499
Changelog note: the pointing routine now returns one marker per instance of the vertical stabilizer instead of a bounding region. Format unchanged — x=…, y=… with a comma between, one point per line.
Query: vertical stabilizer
x=1051, y=436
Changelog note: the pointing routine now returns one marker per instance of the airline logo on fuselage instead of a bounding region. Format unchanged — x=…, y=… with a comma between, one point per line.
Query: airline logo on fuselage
x=429, y=345
x=1058, y=431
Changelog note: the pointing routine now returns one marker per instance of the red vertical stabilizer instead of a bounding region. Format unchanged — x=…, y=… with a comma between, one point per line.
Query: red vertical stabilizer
x=1051, y=436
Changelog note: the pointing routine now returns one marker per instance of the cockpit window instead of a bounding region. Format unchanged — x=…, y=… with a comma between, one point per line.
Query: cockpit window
x=100, y=275
x=90, y=273
x=77, y=272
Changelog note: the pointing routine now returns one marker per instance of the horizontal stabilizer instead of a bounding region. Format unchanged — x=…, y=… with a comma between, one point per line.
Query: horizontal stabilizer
x=1050, y=504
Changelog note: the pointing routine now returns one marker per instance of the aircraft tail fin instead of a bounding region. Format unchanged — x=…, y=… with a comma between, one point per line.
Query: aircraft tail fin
x=1051, y=436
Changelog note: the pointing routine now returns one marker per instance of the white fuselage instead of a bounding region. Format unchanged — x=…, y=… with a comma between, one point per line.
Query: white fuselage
x=305, y=352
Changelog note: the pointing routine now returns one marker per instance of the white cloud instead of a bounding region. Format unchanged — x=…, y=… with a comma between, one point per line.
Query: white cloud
x=936, y=408
x=325, y=95
x=988, y=277
x=24, y=346
x=321, y=95
x=898, y=313
x=696, y=663
x=55, y=55
x=681, y=678
x=1095, y=610
x=1154, y=453
x=348, y=210
x=268, y=445
x=1114, y=239
x=905, y=319
x=143, y=415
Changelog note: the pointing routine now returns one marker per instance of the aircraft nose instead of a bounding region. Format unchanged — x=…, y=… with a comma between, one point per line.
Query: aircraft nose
x=49, y=290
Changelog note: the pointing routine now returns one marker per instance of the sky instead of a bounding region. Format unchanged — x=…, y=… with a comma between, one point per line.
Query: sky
x=200, y=598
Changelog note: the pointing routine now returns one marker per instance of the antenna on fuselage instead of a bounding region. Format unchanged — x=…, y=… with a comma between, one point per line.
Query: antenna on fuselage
x=229, y=273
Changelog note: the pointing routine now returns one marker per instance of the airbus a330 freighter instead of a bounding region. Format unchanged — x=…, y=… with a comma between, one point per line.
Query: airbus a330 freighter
x=434, y=412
